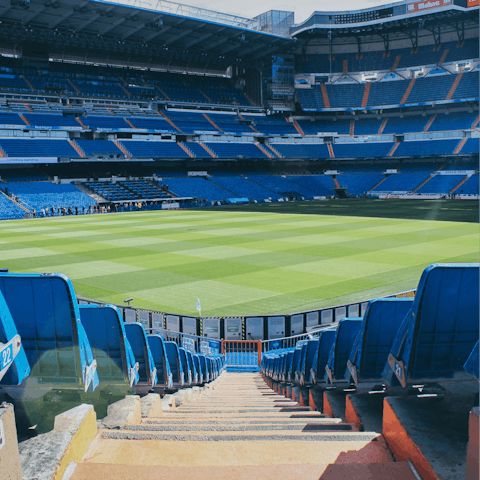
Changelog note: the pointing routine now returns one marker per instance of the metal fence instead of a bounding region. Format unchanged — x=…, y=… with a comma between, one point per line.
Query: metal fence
x=290, y=342
x=242, y=353
x=259, y=327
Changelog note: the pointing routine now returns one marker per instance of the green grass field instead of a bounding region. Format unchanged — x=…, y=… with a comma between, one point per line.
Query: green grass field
x=236, y=262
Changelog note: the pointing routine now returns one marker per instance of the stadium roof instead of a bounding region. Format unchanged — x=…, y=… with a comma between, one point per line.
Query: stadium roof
x=402, y=16
x=142, y=27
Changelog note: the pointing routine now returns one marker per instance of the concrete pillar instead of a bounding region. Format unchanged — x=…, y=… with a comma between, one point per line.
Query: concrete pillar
x=9, y=456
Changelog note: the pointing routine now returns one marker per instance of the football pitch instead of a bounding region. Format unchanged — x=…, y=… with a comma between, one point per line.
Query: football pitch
x=235, y=262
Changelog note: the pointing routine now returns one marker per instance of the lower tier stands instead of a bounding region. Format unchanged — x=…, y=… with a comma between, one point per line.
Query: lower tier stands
x=40, y=195
x=441, y=184
x=242, y=187
x=405, y=182
x=196, y=187
x=470, y=187
x=126, y=190
x=8, y=209
x=359, y=184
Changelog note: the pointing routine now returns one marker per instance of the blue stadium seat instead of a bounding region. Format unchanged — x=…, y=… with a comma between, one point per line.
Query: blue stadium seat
x=437, y=336
x=319, y=362
x=346, y=333
x=203, y=366
x=105, y=330
x=198, y=368
x=472, y=364
x=300, y=363
x=45, y=311
x=173, y=355
x=307, y=361
x=297, y=357
x=14, y=365
x=138, y=341
x=211, y=368
x=185, y=366
x=191, y=366
x=372, y=345
x=164, y=373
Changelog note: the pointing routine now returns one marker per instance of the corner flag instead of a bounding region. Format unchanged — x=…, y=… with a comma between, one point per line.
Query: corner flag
x=198, y=307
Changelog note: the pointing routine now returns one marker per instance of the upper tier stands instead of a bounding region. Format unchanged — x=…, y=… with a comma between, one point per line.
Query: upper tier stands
x=29, y=147
x=391, y=92
x=81, y=80
x=372, y=61
x=359, y=184
x=441, y=184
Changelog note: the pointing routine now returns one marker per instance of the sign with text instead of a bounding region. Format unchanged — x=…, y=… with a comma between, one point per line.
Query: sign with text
x=420, y=6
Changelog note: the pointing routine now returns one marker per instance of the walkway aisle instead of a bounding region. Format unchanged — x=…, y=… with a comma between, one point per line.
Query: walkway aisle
x=242, y=430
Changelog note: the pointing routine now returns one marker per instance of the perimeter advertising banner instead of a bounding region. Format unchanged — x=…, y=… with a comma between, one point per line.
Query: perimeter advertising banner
x=472, y=3
x=420, y=6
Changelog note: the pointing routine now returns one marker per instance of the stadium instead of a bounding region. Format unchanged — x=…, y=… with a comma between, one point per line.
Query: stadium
x=238, y=247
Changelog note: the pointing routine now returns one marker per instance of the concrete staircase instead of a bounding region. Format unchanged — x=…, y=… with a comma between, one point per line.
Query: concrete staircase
x=242, y=430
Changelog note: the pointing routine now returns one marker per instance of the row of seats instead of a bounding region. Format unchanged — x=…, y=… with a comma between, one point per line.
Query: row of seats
x=190, y=122
x=391, y=92
x=128, y=190
x=61, y=345
x=170, y=149
x=398, y=343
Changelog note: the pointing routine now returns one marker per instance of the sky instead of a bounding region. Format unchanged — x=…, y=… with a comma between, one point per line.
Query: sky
x=302, y=8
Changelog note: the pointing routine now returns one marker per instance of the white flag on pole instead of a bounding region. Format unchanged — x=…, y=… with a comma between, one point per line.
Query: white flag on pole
x=198, y=307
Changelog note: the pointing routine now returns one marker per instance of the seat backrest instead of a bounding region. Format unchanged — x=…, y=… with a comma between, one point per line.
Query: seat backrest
x=472, y=364
x=381, y=322
x=312, y=348
x=157, y=347
x=437, y=336
x=198, y=368
x=191, y=366
x=14, y=365
x=303, y=359
x=45, y=311
x=203, y=365
x=176, y=366
x=346, y=333
x=106, y=333
x=325, y=342
x=186, y=368
x=137, y=337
